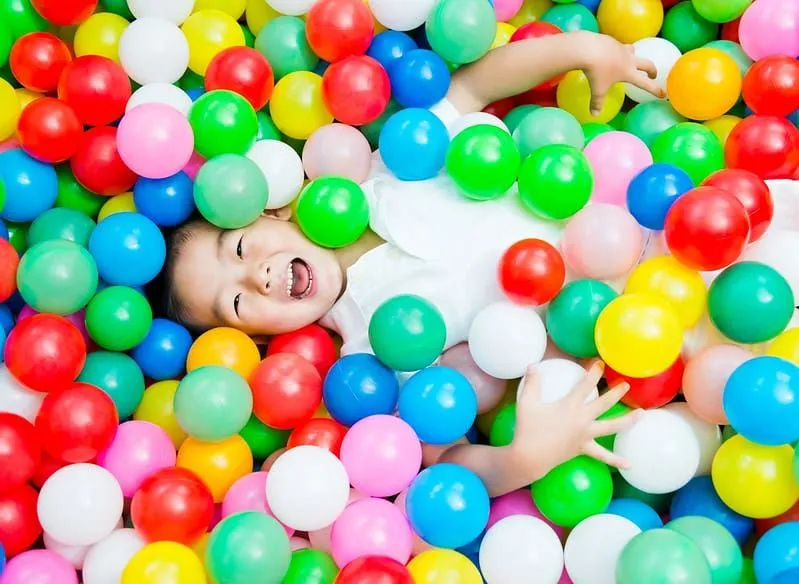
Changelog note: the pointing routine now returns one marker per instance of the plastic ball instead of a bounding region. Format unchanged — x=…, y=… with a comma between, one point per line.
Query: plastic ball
x=358, y=386
x=209, y=32
x=311, y=342
x=573, y=313
x=30, y=186
x=49, y=130
x=117, y=375
x=337, y=150
x=615, y=158
x=520, y=545
x=574, y=95
x=339, y=28
x=44, y=566
x=284, y=44
x=244, y=71
x=230, y=191
x=555, y=181
x=153, y=50
x=413, y=144
x=21, y=453
x=461, y=31
x=705, y=377
x=168, y=201
x=662, y=553
x=297, y=106
x=224, y=122
x=638, y=512
x=573, y=491
x=371, y=527
x=107, y=559
x=97, y=88
x=771, y=86
x=61, y=223
x=37, y=60
x=653, y=191
x=650, y=392
x=699, y=498
x=532, y=272
x=118, y=318
x=692, y=148
x=164, y=560
x=684, y=27
x=164, y=93
x=100, y=35
x=97, y=165
x=430, y=566
x=483, y=162
x=774, y=554
x=709, y=73
x=593, y=548
x=155, y=141
x=157, y=406
x=786, y=346
x=571, y=18
x=226, y=347
x=770, y=28
x=11, y=110
x=365, y=570
x=408, y=16
x=175, y=12
x=419, y=78
x=286, y=389
x=752, y=192
x=663, y=54
x=332, y=211
x=321, y=432
x=218, y=464
x=283, y=169
x=768, y=146
x=19, y=527
x=649, y=120
x=545, y=126
x=389, y=46
x=630, y=21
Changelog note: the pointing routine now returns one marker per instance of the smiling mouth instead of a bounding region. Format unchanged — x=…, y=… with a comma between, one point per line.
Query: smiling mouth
x=299, y=279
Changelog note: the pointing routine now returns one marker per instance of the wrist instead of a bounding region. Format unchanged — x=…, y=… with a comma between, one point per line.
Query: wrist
x=527, y=462
x=582, y=43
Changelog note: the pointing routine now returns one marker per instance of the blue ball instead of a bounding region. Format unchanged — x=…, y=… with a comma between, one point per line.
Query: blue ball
x=761, y=400
x=439, y=404
x=699, y=497
x=195, y=93
x=6, y=318
x=777, y=552
x=592, y=5
x=389, y=46
x=128, y=248
x=447, y=506
x=787, y=577
x=162, y=354
x=413, y=144
x=31, y=186
x=167, y=201
x=4, y=231
x=653, y=191
x=359, y=386
x=636, y=511
x=419, y=78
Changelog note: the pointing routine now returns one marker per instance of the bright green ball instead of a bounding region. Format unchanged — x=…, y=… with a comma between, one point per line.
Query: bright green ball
x=311, y=566
x=461, y=31
x=61, y=223
x=21, y=17
x=572, y=315
x=722, y=552
x=594, y=129
x=721, y=10
x=223, y=123
x=71, y=195
x=119, y=7
x=483, y=161
x=555, y=181
x=691, y=147
x=663, y=556
x=6, y=42
x=230, y=191
x=504, y=426
x=684, y=27
x=118, y=318
x=262, y=439
x=18, y=235
x=332, y=211
x=119, y=376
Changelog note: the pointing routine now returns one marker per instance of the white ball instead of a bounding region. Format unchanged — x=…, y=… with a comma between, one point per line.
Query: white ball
x=521, y=549
x=16, y=398
x=107, y=559
x=165, y=93
x=282, y=168
x=663, y=452
x=175, y=10
x=307, y=488
x=74, y=554
x=476, y=119
x=594, y=546
x=80, y=504
x=557, y=378
x=506, y=338
x=401, y=14
x=707, y=435
x=776, y=249
x=664, y=55
x=291, y=7
x=154, y=50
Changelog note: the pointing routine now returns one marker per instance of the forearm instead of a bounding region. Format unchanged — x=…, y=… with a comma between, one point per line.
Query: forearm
x=499, y=468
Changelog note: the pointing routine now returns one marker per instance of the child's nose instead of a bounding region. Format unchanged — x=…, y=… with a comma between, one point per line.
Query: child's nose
x=259, y=278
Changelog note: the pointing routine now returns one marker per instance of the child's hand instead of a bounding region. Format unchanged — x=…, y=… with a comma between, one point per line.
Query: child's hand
x=548, y=434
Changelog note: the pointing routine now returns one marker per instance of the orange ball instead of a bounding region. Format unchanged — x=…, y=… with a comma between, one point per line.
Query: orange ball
x=227, y=347
x=704, y=84
x=218, y=464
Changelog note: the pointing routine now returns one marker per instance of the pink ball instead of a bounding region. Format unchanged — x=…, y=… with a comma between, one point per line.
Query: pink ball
x=338, y=150
x=602, y=242
x=382, y=455
x=249, y=494
x=517, y=503
x=76, y=318
x=419, y=545
x=615, y=157
x=193, y=165
x=371, y=527
x=320, y=539
x=489, y=390
x=704, y=379
x=507, y=9
x=770, y=27
x=138, y=450
x=39, y=567
x=155, y=140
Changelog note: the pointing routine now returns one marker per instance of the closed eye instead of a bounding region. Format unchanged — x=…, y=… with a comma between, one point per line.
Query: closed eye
x=239, y=251
x=236, y=301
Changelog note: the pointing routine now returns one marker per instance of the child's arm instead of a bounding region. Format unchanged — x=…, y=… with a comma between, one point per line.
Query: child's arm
x=519, y=66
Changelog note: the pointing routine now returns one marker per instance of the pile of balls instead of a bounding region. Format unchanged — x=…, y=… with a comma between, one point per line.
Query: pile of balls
x=132, y=452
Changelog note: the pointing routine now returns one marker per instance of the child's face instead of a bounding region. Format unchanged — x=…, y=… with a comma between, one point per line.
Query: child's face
x=266, y=278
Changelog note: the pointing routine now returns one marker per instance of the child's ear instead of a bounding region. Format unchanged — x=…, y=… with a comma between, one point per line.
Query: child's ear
x=282, y=214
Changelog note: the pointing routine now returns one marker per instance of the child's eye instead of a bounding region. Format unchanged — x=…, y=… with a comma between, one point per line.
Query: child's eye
x=236, y=301
x=238, y=247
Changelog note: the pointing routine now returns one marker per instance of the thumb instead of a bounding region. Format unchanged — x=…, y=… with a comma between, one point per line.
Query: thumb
x=598, y=101
x=530, y=389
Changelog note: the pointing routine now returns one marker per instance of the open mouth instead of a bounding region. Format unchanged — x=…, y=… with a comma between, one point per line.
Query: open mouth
x=299, y=279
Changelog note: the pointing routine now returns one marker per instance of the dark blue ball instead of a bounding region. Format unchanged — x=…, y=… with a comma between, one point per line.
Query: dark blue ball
x=162, y=354
x=653, y=191
x=420, y=78
x=167, y=201
x=358, y=386
x=389, y=46
x=699, y=497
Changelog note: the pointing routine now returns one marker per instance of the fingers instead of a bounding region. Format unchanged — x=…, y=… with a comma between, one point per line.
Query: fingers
x=614, y=426
x=645, y=83
x=598, y=95
x=594, y=450
x=530, y=389
x=583, y=390
x=647, y=67
x=609, y=399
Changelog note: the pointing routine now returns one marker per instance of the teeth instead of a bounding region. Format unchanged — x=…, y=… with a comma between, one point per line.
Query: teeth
x=289, y=280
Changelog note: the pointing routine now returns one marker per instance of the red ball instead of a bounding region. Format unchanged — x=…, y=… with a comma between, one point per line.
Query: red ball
x=65, y=12
x=97, y=87
x=753, y=193
x=771, y=86
x=765, y=145
x=339, y=28
x=49, y=130
x=311, y=342
x=243, y=70
x=77, y=423
x=502, y=107
x=20, y=452
x=531, y=271
x=544, y=97
x=536, y=30
x=374, y=570
x=46, y=469
x=729, y=30
x=45, y=352
x=286, y=391
x=37, y=60
x=321, y=432
x=19, y=520
x=9, y=262
x=356, y=90
x=707, y=229
x=172, y=505
x=650, y=392
x=97, y=165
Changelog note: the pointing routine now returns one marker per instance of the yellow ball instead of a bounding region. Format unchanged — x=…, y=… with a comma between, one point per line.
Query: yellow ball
x=297, y=106
x=235, y=8
x=722, y=126
x=9, y=110
x=630, y=20
x=208, y=33
x=639, y=335
x=164, y=562
x=26, y=97
x=786, y=346
x=99, y=35
x=704, y=84
x=157, y=407
x=683, y=288
x=753, y=480
x=530, y=11
x=227, y=347
x=574, y=95
x=257, y=14
x=504, y=32
x=218, y=464
x=119, y=204
x=443, y=567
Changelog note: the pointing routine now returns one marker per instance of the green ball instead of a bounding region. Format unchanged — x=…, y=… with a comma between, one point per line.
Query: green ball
x=722, y=552
x=691, y=147
x=684, y=27
x=571, y=18
x=248, y=547
x=372, y=130
x=284, y=44
x=593, y=129
x=545, y=126
x=18, y=235
x=748, y=572
x=191, y=80
x=59, y=277
x=262, y=439
x=721, y=10
x=504, y=426
x=223, y=123
x=60, y=223
x=310, y=566
x=230, y=191
x=735, y=51
x=332, y=211
x=407, y=333
x=213, y=403
x=483, y=162
x=617, y=123
x=118, y=318
x=663, y=556
x=119, y=7
x=572, y=315
x=6, y=42
x=267, y=130
x=750, y=303
x=461, y=31
x=249, y=38
x=119, y=376
x=617, y=411
x=517, y=114
x=555, y=181
x=71, y=195
x=624, y=490
x=21, y=17
x=649, y=120
x=574, y=490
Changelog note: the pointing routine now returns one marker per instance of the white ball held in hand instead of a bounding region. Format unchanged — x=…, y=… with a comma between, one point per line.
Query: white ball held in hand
x=664, y=55
x=557, y=378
